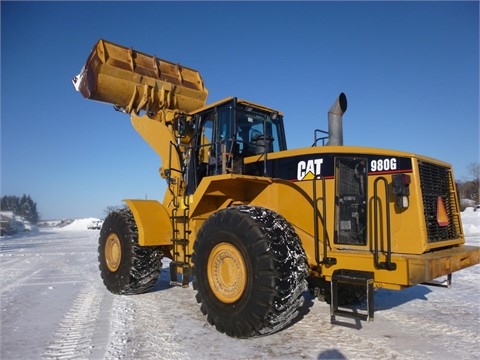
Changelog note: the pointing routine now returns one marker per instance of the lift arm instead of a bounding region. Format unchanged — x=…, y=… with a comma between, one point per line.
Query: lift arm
x=153, y=91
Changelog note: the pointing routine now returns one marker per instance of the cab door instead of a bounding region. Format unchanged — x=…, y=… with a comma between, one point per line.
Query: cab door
x=351, y=201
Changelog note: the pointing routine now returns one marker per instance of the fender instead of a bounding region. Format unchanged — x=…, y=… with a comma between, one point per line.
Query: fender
x=153, y=222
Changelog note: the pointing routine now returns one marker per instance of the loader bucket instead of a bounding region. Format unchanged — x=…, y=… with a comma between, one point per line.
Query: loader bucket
x=134, y=81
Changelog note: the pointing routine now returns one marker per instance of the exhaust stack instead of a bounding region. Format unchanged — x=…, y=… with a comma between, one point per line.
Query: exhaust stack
x=335, y=130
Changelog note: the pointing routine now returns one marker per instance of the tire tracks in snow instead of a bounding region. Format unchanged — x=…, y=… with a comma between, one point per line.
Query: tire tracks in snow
x=143, y=326
x=74, y=336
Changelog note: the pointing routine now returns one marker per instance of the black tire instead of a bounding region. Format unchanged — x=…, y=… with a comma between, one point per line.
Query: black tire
x=249, y=271
x=126, y=267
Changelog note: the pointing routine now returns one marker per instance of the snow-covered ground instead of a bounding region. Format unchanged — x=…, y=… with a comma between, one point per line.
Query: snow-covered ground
x=54, y=306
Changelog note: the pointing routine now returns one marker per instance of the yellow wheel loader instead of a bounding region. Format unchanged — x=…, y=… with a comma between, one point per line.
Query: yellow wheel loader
x=253, y=224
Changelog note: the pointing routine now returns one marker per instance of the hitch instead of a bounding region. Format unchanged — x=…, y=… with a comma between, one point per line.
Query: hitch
x=446, y=283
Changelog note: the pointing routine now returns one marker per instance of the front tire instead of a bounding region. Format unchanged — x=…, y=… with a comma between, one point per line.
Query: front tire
x=249, y=271
x=125, y=266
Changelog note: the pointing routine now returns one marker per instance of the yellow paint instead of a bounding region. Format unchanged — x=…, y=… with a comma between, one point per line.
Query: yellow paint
x=113, y=252
x=227, y=273
x=153, y=222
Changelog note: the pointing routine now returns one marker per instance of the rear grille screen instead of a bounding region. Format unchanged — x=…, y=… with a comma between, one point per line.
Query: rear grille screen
x=436, y=181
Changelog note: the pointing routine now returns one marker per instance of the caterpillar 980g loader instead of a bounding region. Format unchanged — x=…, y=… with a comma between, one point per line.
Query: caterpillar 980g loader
x=255, y=225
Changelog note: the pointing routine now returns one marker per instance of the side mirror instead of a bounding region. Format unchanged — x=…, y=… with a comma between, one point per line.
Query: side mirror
x=182, y=126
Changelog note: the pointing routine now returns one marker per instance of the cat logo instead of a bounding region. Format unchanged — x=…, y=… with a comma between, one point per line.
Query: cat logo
x=307, y=170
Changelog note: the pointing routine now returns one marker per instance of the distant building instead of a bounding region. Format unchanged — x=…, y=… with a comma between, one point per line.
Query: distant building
x=8, y=223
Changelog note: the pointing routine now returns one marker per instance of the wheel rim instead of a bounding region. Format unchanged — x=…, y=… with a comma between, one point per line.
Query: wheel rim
x=227, y=273
x=113, y=252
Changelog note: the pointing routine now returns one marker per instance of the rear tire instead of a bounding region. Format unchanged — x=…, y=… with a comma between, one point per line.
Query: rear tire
x=249, y=271
x=126, y=267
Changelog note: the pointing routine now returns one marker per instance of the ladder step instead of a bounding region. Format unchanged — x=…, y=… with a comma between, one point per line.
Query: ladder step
x=180, y=234
x=178, y=264
x=182, y=218
x=354, y=278
x=351, y=315
x=186, y=256
x=349, y=279
x=183, y=242
x=186, y=272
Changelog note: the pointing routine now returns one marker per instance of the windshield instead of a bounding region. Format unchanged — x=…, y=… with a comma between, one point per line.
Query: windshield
x=257, y=132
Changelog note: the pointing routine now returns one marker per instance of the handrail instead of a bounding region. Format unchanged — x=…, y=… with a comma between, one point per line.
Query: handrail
x=326, y=260
x=169, y=177
x=388, y=265
x=315, y=139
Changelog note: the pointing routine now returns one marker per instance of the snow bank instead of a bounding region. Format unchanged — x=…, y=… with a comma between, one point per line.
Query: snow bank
x=79, y=224
x=471, y=221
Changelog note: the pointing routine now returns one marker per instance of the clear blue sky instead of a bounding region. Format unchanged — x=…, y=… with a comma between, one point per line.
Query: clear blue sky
x=410, y=71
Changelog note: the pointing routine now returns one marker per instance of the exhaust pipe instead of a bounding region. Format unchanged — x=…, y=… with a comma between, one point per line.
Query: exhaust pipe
x=335, y=130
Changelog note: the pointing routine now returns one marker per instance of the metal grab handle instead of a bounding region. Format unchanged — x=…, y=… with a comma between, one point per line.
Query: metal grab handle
x=326, y=260
x=388, y=265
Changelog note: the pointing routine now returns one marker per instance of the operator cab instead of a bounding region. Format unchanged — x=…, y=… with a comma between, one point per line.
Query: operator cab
x=228, y=131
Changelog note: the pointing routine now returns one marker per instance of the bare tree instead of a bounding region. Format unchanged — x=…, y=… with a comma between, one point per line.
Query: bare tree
x=111, y=208
x=474, y=172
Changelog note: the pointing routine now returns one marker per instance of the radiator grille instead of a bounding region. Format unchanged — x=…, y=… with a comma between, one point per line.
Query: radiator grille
x=436, y=181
